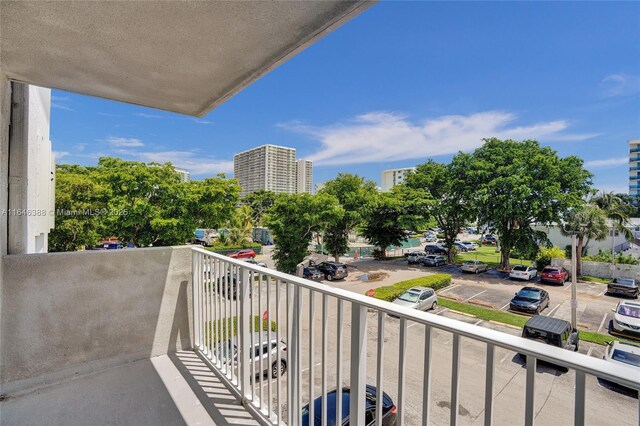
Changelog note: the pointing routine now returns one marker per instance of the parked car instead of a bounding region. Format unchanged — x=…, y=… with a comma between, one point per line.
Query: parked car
x=243, y=254
x=434, y=260
x=430, y=238
x=530, y=299
x=460, y=247
x=626, y=318
x=471, y=246
x=389, y=410
x=255, y=262
x=265, y=348
x=554, y=274
x=420, y=298
x=489, y=240
x=522, y=272
x=434, y=249
x=332, y=270
x=416, y=257
x=552, y=331
x=312, y=273
x=623, y=286
x=622, y=353
x=474, y=266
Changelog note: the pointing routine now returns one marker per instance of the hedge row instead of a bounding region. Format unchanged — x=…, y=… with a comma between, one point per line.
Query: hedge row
x=221, y=329
x=389, y=293
x=230, y=249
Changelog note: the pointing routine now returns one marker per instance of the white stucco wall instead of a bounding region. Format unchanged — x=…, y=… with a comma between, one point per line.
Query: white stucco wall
x=557, y=239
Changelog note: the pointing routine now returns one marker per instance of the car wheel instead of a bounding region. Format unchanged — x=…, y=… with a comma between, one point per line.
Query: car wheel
x=434, y=305
x=275, y=370
x=329, y=277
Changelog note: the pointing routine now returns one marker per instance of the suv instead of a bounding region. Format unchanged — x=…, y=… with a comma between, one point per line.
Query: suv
x=415, y=257
x=434, y=249
x=268, y=347
x=554, y=274
x=434, y=260
x=552, y=331
x=332, y=270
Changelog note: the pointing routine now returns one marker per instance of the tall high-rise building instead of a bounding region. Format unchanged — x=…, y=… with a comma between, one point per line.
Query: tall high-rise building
x=185, y=176
x=393, y=177
x=634, y=167
x=304, y=176
x=267, y=167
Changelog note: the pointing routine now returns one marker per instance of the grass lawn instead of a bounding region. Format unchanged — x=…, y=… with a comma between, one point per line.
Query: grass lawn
x=513, y=319
x=594, y=279
x=488, y=255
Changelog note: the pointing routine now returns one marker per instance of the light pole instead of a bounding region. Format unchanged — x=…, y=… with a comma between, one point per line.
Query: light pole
x=574, y=281
x=613, y=255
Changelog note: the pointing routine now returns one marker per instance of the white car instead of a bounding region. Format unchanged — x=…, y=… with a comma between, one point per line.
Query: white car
x=474, y=266
x=623, y=353
x=421, y=298
x=416, y=256
x=470, y=245
x=626, y=318
x=522, y=272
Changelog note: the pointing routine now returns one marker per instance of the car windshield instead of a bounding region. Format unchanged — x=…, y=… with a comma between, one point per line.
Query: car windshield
x=528, y=294
x=629, y=311
x=519, y=268
x=626, y=357
x=627, y=282
x=470, y=262
x=551, y=270
x=409, y=297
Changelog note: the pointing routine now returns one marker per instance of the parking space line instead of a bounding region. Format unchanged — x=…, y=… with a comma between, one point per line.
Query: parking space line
x=602, y=292
x=590, y=350
x=477, y=322
x=442, y=311
x=602, y=322
x=483, y=291
x=505, y=357
x=449, y=288
x=315, y=366
x=553, y=311
x=508, y=303
x=568, y=287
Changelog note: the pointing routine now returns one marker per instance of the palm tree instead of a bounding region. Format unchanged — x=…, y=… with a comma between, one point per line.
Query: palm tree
x=588, y=222
x=614, y=208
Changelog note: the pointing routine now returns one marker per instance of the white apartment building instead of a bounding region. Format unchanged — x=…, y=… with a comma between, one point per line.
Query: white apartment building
x=185, y=176
x=393, y=177
x=634, y=167
x=304, y=176
x=267, y=167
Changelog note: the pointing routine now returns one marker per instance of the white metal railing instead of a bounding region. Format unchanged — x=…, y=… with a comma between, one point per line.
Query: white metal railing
x=213, y=286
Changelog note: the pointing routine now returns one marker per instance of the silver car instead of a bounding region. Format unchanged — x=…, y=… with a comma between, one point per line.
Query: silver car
x=264, y=348
x=421, y=298
x=474, y=266
x=416, y=256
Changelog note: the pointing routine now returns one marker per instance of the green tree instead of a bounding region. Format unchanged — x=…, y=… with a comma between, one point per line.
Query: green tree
x=440, y=191
x=516, y=184
x=259, y=202
x=544, y=256
x=210, y=203
x=77, y=192
x=293, y=219
x=616, y=210
x=354, y=194
x=382, y=222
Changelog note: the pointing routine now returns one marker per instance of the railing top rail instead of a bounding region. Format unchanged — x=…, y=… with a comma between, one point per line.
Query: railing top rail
x=619, y=373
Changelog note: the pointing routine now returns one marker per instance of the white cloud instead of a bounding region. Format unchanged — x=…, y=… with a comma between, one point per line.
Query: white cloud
x=620, y=84
x=201, y=121
x=61, y=106
x=607, y=162
x=123, y=142
x=145, y=115
x=386, y=136
x=189, y=160
x=57, y=155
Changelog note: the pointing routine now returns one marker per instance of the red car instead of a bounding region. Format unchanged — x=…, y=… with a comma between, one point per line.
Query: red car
x=554, y=274
x=243, y=254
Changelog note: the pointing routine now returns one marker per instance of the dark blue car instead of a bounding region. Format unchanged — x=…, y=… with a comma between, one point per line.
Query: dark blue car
x=388, y=409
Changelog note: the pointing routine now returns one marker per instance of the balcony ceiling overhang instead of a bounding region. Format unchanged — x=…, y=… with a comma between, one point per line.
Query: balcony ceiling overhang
x=185, y=57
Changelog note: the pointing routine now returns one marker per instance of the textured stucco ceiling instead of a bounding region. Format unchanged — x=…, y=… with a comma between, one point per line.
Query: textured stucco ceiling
x=186, y=57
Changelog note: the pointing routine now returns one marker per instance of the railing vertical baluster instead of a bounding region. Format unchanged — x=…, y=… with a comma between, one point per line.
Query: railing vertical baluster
x=380, y=367
x=270, y=335
x=200, y=301
x=252, y=339
x=298, y=345
x=194, y=296
x=402, y=367
x=455, y=379
x=290, y=354
x=260, y=346
x=279, y=404
x=339, y=331
x=312, y=314
x=325, y=343
x=244, y=351
x=426, y=380
x=234, y=339
x=358, y=364
x=220, y=339
x=578, y=418
x=529, y=407
x=226, y=336
x=488, y=386
x=237, y=300
x=214, y=314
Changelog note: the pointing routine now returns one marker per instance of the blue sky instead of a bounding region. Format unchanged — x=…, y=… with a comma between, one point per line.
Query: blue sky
x=403, y=82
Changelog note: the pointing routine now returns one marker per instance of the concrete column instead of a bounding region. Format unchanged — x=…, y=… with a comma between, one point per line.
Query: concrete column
x=5, y=108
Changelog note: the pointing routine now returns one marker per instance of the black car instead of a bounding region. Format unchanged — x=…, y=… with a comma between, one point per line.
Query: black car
x=530, y=299
x=434, y=249
x=623, y=286
x=312, y=273
x=389, y=417
x=332, y=270
x=552, y=331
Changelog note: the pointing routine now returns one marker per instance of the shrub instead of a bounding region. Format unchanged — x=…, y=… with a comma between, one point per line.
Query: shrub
x=389, y=293
x=546, y=254
x=605, y=256
x=234, y=247
x=220, y=329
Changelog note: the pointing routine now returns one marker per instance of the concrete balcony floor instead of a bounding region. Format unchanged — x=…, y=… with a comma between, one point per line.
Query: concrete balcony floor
x=171, y=389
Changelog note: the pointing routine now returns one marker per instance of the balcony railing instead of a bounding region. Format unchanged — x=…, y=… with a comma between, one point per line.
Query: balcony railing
x=280, y=297
x=634, y=168
x=633, y=150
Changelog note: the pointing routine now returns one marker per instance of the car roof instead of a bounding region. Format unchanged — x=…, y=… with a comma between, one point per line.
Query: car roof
x=418, y=289
x=531, y=289
x=550, y=324
x=346, y=400
x=627, y=347
x=629, y=303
